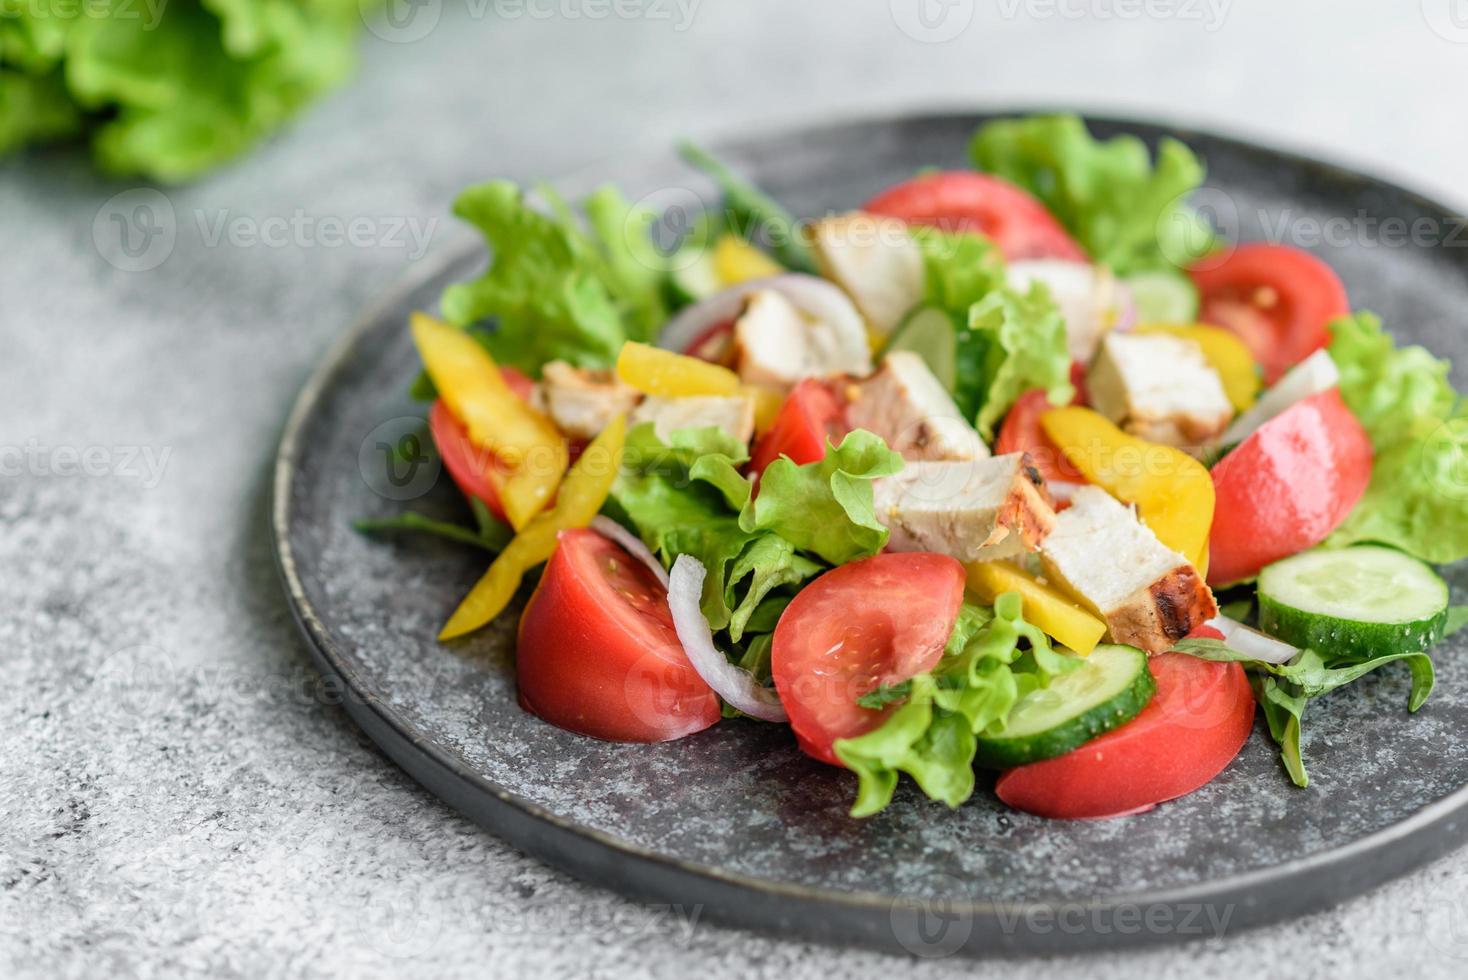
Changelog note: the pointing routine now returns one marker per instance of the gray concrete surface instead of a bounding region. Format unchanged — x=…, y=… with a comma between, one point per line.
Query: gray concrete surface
x=177, y=796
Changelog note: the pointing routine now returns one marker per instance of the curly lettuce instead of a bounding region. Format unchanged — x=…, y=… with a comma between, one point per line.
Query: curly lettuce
x=1126, y=211
x=1013, y=342
x=556, y=290
x=685, y=495
x=1417, y=500
x=169, y=90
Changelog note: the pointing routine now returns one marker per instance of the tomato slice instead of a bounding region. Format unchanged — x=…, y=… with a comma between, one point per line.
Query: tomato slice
x=961, y=200
x=811, y=415
x=1278, y=299
x=474, y=471
x=1022, y=433
x=1286, y=486
x=1192, y=729
x=873, y=622
x=598, y=654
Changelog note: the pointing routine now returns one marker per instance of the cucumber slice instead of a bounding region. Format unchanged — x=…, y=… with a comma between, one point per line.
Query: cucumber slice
x=928, y=332
x=1353, y=603
x=1163, y=297
x=696, y=278
x=1108, y=690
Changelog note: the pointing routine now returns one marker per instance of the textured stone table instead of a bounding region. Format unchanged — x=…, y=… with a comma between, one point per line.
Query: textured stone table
x=178, y=796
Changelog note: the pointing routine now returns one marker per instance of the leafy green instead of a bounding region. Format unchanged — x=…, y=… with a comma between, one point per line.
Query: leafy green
x=826, y=507
x=554, y=289
x=1125, y=211
x=754, y=215
x=685, y=495
x=933, y=735
x=168, y=90
x=1013, y=342
x=491, y=534
x=959, y=269
x=1395, y=392
x=1283, y=690
x=1417, y=500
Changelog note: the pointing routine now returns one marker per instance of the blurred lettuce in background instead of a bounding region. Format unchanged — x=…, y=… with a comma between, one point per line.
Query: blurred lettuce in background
x=167, y=88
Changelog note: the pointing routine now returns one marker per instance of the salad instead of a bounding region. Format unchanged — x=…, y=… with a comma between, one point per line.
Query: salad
x=1018, y=469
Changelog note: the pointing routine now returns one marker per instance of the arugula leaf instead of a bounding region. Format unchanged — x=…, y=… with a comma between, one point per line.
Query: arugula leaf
x=554, y=290
x=933, y=735
x=1283, y=690
x=753, y=214
x=491, y=535
x=1013, y=342
x=1125, y=210
x=1417, y=500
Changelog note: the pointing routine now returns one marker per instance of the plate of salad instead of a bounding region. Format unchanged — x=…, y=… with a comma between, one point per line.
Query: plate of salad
x=946, y=533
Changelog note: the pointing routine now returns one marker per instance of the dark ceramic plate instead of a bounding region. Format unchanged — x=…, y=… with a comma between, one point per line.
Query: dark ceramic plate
x=735, y=820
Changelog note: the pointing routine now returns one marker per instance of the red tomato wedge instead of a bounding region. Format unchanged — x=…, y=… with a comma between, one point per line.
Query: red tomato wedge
x=961, y=200
x=1022, y=433
x=873, y=622
x=598, y=654
x=1278, y=300
x=1287, y=486
x=474, y=471
x=811, y=414
x=1197, y=722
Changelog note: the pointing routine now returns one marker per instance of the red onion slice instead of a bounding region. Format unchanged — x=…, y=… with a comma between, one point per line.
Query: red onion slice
x=812, y=295
x=615, y=532
x=1248, y=640
x=734, y=684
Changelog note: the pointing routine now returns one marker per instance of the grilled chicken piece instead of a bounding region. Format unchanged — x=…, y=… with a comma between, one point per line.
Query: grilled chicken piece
x=876, y=261
x=581, y=401
x=975, y=510
x=1159, y=388
x=776, y=346
x=1149, y=595
x=909, y=408
x=732, y=413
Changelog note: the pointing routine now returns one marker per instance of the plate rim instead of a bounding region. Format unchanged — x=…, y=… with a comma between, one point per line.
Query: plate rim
x=448, y=775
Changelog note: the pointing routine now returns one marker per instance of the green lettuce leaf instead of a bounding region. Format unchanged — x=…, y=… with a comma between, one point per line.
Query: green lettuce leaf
x=959, y=269
x=1417, y=500
x=1012, y=342
x=556, y=291
x=1125, y=210
x=1284, y=690
x=933, y=735
x=825, y=507
x=685, y=495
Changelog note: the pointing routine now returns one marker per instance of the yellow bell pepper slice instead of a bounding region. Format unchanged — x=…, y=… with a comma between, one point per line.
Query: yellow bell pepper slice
x=582, y=495
x=654, y=371
x=1054, y=612
x=469, y=382
x=736, y=261
x=1225, y=353
x=1172, y=490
